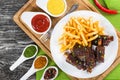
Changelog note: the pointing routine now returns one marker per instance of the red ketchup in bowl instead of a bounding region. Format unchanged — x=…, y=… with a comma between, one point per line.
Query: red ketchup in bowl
x=40, y=23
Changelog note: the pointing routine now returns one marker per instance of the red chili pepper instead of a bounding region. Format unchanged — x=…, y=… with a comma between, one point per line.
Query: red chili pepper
x=105, y=9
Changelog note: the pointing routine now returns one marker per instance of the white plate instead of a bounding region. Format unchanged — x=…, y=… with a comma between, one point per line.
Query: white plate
x=110, y=51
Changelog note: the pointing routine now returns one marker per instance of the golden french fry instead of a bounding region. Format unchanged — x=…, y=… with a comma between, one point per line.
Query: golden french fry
x=71, y=22
x=87, y=27
x=65, y=47
x=78, y=41
x=92, y=33
x=76, y=21
x=84, y=40
x=69, y=27
x=89, y=44
x=84, y=30
x=83, y=20
x=68, y=24
x=72, y=45
x=92, y=38
x=71, y=35
x=91, y=23
x=95, y=24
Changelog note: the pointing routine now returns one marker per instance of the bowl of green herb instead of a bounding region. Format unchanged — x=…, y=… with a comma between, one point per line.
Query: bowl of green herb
x=29, y=52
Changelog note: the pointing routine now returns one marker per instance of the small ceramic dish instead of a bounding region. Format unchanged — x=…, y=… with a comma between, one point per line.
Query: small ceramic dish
x=50, y=74
x=43, y=5
x=22, y=58
x=32, y=70
x=27, y=18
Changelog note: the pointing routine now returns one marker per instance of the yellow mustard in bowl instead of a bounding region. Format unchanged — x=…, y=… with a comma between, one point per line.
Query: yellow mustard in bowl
x=56, y=7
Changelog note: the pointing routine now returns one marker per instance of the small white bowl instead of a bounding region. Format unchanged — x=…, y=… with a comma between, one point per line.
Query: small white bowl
x=26, y=18
x=49, y=68
x=22, y=58
x=43, y=5
x=32, y=70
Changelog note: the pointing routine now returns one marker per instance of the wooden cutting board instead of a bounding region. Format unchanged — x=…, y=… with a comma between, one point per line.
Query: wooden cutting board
x=83, y=5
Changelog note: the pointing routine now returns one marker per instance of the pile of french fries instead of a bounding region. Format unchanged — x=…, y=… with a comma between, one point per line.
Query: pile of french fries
x=79, y=30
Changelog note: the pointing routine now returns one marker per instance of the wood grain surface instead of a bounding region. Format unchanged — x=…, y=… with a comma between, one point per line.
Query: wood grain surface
x=12, y=41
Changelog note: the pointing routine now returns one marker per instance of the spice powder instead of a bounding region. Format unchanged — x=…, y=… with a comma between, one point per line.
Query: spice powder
x=30, y=51
x=40, y=62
